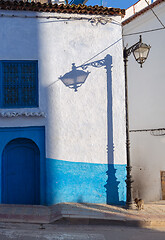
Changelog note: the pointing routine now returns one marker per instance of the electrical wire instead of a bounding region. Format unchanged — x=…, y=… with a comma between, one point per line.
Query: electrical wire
x=69, y=18
x=158, y=132
x=106, y=19
x=46, y=16
x=146, y=31
x=155, y=14
x=147, y=130
x=102, y=51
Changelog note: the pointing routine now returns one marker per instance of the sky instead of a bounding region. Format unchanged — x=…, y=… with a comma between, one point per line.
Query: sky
x=123, y=4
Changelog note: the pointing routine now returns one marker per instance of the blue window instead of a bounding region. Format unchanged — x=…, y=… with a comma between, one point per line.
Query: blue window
x=19, y=84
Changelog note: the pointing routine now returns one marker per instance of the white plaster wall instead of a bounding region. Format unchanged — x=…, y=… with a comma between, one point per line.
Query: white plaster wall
x=146, y=105
x=76, y=122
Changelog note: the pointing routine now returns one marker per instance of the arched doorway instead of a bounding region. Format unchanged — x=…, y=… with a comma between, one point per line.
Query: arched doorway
x=21, y=172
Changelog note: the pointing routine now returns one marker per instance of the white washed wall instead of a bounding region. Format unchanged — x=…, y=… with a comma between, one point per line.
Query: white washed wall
x=146, y=105
x=76, y=123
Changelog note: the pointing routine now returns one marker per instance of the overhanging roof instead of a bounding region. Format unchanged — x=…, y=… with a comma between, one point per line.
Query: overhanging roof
x=61, y=8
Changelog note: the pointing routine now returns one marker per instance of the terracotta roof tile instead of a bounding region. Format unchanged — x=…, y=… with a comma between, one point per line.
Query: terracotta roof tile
x=61, y=8
x=142, y=11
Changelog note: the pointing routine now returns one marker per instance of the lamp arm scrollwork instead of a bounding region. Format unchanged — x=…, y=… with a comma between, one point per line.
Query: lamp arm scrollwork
x=127, y=52
x=96, y=64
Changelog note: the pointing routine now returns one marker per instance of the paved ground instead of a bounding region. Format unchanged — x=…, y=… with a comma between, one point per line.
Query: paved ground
x=79, y=232
x=84, y=213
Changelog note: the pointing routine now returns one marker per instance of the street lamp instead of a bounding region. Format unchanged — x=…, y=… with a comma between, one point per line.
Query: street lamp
x=140, y=52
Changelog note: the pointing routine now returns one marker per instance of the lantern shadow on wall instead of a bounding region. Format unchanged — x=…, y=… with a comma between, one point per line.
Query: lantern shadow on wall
x=74, y=79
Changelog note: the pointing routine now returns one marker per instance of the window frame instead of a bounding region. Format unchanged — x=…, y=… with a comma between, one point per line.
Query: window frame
x=36, y=105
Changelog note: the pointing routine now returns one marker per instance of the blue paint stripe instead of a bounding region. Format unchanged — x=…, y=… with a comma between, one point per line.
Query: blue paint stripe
x=85, y=182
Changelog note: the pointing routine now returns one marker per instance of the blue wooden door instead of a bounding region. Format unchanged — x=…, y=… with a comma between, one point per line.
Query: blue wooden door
x=21, y=172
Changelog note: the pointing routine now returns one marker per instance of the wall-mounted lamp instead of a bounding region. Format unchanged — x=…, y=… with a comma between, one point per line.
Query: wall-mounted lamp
x=140, y=51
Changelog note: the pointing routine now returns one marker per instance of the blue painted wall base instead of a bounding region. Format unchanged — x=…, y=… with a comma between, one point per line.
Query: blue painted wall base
x=70, y=181
x=85, y=182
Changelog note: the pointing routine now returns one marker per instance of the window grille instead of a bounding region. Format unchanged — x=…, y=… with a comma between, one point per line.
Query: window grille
x=19, y=84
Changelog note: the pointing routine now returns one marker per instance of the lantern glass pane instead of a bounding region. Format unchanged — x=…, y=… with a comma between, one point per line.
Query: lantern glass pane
x=141, y=53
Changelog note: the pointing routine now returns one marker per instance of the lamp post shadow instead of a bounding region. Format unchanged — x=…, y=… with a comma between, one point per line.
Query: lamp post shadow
x=112, y=185
x=74, y=79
